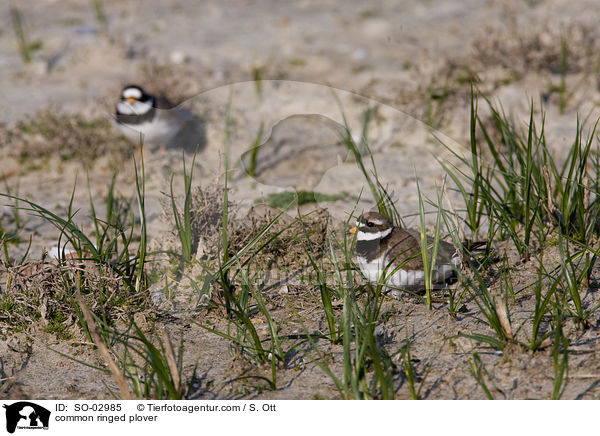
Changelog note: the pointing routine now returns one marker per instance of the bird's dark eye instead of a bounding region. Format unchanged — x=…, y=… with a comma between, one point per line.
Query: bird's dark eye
x=370, y=224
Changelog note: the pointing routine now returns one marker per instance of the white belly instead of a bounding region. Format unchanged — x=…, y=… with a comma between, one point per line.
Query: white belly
x=158, y=131
x=376, y=272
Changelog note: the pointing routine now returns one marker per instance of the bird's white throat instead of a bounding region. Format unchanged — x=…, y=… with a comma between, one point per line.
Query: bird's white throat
x=135, y=108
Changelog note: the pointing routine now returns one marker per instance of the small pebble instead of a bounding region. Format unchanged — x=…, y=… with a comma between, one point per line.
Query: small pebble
x=360, y=54
x=55, y=252
x=39, y=67
x=178, y=57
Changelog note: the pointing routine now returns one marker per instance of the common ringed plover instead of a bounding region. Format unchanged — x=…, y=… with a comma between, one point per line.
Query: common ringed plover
x=394, y=252
x=153, y=117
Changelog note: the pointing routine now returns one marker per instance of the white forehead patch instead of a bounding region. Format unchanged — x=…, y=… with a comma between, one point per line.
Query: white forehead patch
x=364, y=236
x=132, y=92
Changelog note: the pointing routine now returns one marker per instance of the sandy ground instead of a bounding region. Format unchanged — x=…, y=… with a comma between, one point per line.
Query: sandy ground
x=410, y=62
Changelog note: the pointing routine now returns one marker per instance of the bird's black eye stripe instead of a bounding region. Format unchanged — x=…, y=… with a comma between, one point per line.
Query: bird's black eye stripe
x=370, y=224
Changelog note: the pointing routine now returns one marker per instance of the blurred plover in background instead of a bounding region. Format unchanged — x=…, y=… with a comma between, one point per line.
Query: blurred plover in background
x=154, y=119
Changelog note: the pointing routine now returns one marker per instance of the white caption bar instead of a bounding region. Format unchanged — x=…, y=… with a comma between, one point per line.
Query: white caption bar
x=263, y=417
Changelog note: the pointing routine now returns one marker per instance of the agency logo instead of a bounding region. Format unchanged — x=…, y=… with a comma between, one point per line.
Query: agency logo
x=26, y=415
